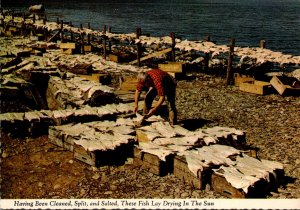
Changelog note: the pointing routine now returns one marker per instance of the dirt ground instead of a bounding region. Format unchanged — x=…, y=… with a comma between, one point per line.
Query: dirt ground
x=34, y=168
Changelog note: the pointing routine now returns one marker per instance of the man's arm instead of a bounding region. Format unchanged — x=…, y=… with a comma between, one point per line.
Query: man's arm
x=136, y=100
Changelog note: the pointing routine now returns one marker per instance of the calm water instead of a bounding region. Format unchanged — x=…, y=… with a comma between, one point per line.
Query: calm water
x=276, y=21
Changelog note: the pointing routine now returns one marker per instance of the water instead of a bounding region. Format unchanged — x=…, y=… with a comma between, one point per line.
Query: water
x=248, y=21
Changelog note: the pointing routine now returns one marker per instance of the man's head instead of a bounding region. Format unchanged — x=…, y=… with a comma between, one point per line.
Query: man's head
x=141, y=77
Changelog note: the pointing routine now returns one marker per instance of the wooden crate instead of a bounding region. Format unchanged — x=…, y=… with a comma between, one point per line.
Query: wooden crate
x=98, y=158
x=68, y=48
x=67, y=51
x=69, y=45
x=104, y=79
x=257, y=87
x=258, y=190
x=182, y=171
x=152, y=163
x=59, y=139
x=239, y=78
x=283, y=89
x=85, y=156
x=88, y=48
x=129, y=83
x=113, y=58
x=221, y=185
x=172, y=67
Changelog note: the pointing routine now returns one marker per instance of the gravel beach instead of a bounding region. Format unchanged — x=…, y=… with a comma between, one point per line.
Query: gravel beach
x=34, y=168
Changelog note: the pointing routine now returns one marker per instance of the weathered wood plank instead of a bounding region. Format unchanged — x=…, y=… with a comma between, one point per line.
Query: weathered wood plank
x=162, y=52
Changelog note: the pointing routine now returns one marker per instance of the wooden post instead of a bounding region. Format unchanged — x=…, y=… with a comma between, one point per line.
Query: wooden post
x=104, y=42
x=262, y=44
x=62, y=31
x=109, y=41
x=13, y=17
x=81, y=26
x=138, y=33
x=23, y=29
x=45, y=34
x=172, y=35
x=89, y=35
x=82, y=42
x=57, y=20
x=71, y=33
x=24, y=16
x=207, y=56
x=229, y=66
x=33, y=18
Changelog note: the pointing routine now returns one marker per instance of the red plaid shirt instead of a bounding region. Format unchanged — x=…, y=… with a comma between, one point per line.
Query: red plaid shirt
x=158, y=79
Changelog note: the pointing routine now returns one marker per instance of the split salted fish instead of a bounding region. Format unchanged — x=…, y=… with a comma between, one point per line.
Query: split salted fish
x=237, y=179
x=154, y=149
x=164, y=128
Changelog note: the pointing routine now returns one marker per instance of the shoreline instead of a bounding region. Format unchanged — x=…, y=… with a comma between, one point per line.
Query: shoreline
x=269, y=121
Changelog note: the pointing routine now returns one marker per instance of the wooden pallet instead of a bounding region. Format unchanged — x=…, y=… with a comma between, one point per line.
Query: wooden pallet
x=152, y=163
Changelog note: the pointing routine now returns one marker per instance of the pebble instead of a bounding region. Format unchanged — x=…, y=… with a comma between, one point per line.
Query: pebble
x=108, y=193
x=184, y=195
x=57, y=186
x=96, y=176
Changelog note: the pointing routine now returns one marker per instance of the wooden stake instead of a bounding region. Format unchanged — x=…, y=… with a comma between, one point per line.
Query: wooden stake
x=45, y=34
x=71, y=33
x=109, y=41
x=57, y=20
x=207, y=56
x=89, y=36
x=62, y=31
x=13, y=17
x=82, y=43
x=104, y=42
x=229, y=66
x=172, y=35
x=138, y=33
x=262, y=44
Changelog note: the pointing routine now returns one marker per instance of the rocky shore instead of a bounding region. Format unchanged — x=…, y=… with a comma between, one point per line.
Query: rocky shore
x=34, y=168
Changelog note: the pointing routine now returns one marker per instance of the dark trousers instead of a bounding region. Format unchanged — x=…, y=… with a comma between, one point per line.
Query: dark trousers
x=170, y=96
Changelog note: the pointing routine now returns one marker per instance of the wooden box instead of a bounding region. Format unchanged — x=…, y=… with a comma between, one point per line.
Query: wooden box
x=98, y=158
x=85, y=156
x=104, y=79
x=68, y=48
x=88, y=48
x=172, y=67
x=68, y=51
x=152, y=163
x=283, y=89
x=221, y=185
x=58, y=138
x=129, y=83
x=239, y=78
x=182, y=171
x=257, y=87
x=113, y=58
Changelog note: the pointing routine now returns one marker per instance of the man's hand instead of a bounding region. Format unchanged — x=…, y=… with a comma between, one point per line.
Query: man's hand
x=136, y=107
x=150, y=113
